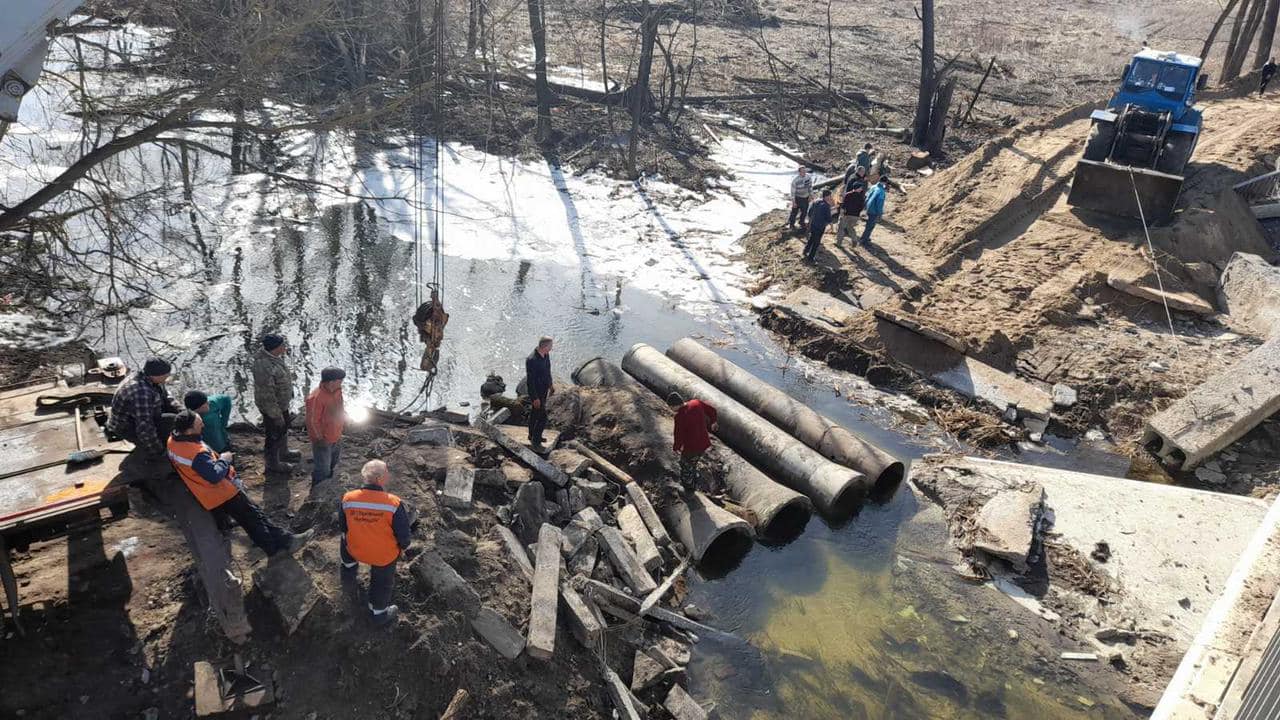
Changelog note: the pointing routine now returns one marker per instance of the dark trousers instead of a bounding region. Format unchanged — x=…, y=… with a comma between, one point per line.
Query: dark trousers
x=324, y=459
x=815, y=240
x=382, y=578
x=799, y=209
x=164, y=428
x=268, y=536
x=276, y=441
x=537, y=421
x=1262, y=86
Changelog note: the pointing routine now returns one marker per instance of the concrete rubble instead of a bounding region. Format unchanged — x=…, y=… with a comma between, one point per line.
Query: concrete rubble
x=1219, y=411
x=1008, y=524
x=1249, y=293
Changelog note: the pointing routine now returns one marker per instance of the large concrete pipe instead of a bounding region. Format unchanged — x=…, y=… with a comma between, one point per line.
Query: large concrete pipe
x=835, y=490
x=711, y=534
x=781, y=513
x=835, y=442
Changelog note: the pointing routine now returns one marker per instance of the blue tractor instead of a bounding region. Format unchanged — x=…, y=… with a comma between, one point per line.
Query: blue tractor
x=1143, y=139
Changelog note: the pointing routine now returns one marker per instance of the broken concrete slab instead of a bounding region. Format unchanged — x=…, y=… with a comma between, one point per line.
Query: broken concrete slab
x=500, y=436
x=571, y=462
x=459, y=481
x=1007, y=525
x=582, y=620
x=682, y=706
x=650, y=516
x=520, y=434
x=499, y=633
x=634, y=530
x=584, y=524
x=455, y=413
x=488, y=477
x=1178, y=301
x=516, y=550
x=439, y=578
x=544, y=599
x=583, y=561
x=621, y=696
x=645, y=672
x=625, y=562
x=530, y=510
x=915, y=325
x=430, y=432
x=595, y=492
x=1219, y=411
x=1249, y=293
x=821, y=309
x=289, y=587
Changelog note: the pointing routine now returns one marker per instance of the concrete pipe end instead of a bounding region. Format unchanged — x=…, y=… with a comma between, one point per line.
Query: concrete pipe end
x=888, y=481
x=844, y=491
x=723, y=553
x=787, y=522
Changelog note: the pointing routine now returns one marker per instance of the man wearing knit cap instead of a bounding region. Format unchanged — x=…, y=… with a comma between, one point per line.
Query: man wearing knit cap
x=215, y=411
x=142, y=411
x=213, y=482
x=273, y=393
x=325, y=418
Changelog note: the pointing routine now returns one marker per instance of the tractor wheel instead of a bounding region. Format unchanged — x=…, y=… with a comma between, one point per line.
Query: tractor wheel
x=1176, y=153
x=1101, y=137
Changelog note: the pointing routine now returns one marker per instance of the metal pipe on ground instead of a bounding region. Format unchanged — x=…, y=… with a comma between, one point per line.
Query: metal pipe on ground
x=833, y=441
x=781, y=512
x=711, y=534
x=836, y=491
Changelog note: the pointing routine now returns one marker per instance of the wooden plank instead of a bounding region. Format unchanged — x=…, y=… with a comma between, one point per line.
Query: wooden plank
x=611, y=594
x=544, y=598
x=637, y=534
x=625, y=562
x=524, y=454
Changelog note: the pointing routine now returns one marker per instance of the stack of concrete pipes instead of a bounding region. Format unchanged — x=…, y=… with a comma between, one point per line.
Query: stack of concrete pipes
x=810, y=455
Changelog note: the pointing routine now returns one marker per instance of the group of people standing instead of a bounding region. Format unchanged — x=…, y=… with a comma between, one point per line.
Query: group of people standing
x=856, y=197
x=194, y=439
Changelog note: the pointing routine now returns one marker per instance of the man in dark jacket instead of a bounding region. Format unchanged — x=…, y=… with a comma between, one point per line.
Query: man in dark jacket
x=273, y=393
x=142, y=411
x=537, y=373
x=855, y=197
x=1268, y=72
x=819, y=218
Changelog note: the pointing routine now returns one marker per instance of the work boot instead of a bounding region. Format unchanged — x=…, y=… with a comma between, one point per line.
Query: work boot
x=283, y=468
x=386, y=617
x=294, y=542
x=290, y=456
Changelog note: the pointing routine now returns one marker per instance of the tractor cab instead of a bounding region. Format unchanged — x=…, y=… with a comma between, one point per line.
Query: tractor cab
x=1161, y=80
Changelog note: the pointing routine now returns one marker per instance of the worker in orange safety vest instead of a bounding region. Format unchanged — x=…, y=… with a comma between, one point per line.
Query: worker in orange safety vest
x=212, y=479
x=375, y=531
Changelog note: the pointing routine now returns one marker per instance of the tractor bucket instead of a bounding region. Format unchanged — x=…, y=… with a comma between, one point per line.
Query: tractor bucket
x=1109, y=188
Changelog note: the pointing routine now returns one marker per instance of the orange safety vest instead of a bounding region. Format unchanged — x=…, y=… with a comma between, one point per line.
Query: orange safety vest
x=370, y=537
x=182, y=453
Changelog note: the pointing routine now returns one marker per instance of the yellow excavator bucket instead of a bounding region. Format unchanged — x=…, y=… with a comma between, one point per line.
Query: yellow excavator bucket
x=1108, y=188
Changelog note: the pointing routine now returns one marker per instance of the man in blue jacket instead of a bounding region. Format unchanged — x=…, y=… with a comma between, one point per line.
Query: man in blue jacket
x=819, y=218
x=537, y=374
x=874, y=208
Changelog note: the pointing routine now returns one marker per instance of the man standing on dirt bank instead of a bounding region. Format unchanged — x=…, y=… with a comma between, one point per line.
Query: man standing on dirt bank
x=273, y=393
x=212, y=479
x=861, y=161
x=537, y=374
x=819, y=218
x=694, y=421
x=855, y=197
x=1268, y=72
x=325, y=419
x=875, y=208
x=375, y=530
x=215, y=413
x=142, y=411
x=801, y=190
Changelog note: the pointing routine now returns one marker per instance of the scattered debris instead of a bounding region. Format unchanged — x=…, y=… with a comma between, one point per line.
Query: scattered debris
x=498, y=633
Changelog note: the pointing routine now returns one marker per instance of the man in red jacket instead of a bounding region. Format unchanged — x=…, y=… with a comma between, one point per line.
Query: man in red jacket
x=325, y=418
x=695, y=420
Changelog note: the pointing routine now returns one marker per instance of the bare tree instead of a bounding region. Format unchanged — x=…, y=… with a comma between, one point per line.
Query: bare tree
x=1267, y=35
x=1213, y=32
x=928, y=80
x=538, y=30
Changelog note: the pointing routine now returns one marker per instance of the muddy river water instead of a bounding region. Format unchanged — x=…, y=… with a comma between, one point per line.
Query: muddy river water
x=857, y=620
